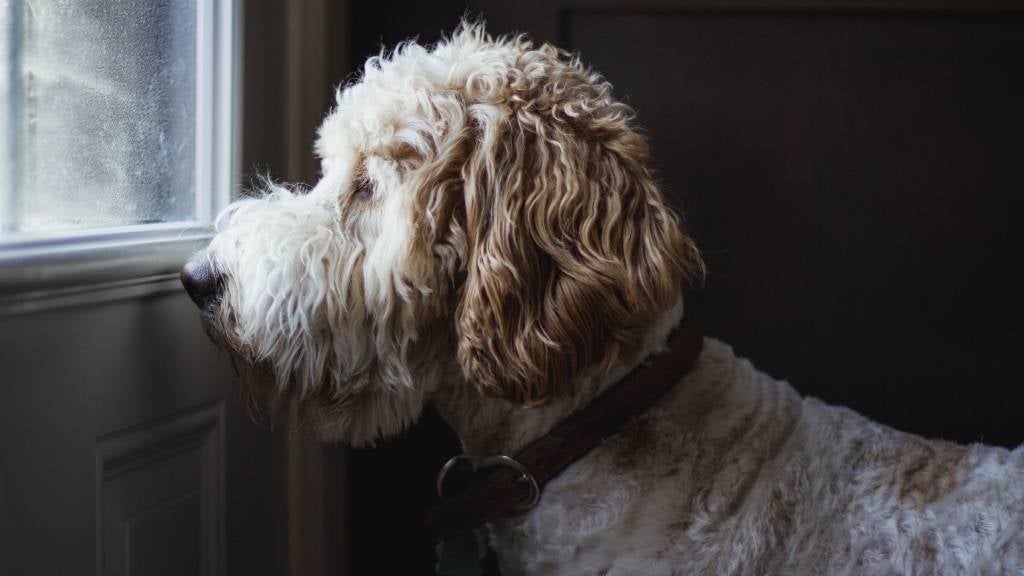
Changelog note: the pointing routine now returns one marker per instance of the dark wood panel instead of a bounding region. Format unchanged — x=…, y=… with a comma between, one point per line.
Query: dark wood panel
x=161, y=541
x=854, y=182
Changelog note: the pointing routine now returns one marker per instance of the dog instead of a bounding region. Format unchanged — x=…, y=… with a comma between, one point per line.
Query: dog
x=487, y=236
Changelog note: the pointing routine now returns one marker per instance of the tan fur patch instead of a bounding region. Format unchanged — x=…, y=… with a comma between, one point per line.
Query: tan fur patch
x=928, y=471
x=631, y=445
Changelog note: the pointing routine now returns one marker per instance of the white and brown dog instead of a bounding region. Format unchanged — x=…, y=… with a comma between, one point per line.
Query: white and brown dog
x=487, y=236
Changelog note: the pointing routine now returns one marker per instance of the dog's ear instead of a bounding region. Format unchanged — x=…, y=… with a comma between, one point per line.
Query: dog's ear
x=571, y=249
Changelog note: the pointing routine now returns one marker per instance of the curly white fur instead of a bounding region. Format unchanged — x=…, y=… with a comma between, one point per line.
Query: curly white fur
x=487, y=236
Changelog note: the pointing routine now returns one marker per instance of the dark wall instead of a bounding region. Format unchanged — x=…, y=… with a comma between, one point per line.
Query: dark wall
x=854, y=181
x=853, y=174
x=385, y=23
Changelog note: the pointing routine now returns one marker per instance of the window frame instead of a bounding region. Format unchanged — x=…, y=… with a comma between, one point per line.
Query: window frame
x=45, y=270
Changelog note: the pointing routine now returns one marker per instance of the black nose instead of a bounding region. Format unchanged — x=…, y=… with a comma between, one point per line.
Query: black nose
x=201, y=281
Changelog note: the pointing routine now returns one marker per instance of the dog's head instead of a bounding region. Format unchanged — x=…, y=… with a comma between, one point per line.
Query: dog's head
x=486, y=215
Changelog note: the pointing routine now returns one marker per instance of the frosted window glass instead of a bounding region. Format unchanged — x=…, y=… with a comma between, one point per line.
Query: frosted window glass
x=100, y=110
x=6, y=130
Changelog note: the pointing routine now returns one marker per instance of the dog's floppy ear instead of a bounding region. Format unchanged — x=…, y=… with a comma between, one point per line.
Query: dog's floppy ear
x=571, y=249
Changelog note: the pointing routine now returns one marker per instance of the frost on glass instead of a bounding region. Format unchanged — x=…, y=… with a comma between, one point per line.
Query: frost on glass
x=7, y=134
x=104, y=114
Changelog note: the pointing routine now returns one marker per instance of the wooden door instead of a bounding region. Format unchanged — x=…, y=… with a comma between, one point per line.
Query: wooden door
x=124, y=448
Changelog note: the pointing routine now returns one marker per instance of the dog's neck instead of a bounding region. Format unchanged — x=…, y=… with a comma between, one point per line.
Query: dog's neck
x=488, y=426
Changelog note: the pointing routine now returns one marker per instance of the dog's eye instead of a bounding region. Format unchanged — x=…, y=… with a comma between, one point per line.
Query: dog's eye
x=362, y=192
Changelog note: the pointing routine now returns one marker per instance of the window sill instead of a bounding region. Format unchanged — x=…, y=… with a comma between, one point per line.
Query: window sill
x=95, y=266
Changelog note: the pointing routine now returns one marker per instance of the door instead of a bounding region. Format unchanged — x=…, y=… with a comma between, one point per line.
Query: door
x=124, y=448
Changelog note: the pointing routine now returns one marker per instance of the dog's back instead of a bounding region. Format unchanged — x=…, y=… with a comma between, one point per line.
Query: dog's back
x=734, y=473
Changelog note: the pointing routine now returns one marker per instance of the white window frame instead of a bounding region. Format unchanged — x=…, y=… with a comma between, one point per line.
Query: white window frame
x=66, y=268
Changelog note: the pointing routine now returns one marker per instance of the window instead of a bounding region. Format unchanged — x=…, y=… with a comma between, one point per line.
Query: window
x=116, y=126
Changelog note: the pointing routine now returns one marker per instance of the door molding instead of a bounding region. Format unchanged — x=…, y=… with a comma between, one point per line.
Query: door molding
x=189, y=447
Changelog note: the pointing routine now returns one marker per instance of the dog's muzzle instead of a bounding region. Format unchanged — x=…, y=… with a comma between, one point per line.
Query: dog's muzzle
x=202, y=281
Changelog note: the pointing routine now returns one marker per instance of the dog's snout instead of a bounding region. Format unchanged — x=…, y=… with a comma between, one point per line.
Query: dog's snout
x=201, y=281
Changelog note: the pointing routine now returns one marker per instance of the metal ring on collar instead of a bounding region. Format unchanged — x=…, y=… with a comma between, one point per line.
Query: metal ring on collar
x=491, y=461
x=451, y=463
x=502, y=460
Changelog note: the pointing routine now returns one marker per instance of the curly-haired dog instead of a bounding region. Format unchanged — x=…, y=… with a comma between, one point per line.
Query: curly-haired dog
x=487, y=236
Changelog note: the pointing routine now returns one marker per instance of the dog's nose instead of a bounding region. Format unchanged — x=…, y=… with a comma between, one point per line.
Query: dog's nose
x=201, y=281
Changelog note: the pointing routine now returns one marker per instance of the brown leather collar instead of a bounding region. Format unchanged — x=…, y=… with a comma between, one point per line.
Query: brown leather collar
x=502, y=484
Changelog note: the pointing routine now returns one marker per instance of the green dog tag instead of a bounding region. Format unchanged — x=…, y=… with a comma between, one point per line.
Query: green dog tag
x=459, y=556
